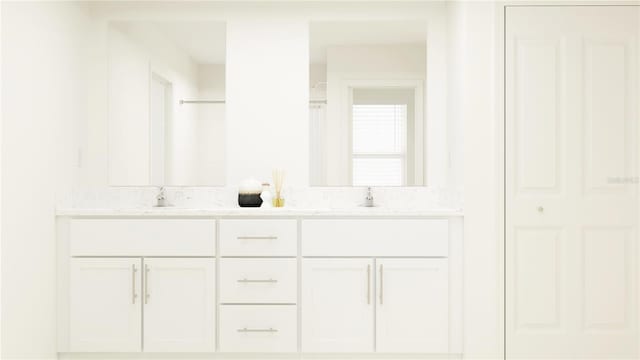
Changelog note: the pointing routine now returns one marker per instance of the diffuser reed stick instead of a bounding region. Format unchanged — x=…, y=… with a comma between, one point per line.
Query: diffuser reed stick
x=278, y=179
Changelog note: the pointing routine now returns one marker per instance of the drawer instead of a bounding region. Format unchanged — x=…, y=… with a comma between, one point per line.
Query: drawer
x=375, y=237
x=258, y=237
x=258, y=328
x=258, y=281
x=142, y=237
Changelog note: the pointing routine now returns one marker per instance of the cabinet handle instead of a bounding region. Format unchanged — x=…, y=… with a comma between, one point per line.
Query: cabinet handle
x=368, y=284
x=133, y=283
x=257, y=237
x=246, y=330
x=146, y=284
x=381, y=284
x=257, y=280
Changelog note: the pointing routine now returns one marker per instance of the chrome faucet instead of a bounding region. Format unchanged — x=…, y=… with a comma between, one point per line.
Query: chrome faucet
x=368, y=200
x=161, y=198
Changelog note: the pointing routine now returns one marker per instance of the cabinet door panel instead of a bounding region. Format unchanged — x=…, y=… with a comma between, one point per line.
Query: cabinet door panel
x=412, y=311
x=105, y=310
x=337, y=305
x=179, y=310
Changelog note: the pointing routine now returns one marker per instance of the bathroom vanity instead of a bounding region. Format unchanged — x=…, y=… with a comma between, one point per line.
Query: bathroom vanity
x=286, y=281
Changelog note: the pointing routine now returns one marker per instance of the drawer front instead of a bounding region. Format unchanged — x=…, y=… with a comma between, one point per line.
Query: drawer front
x=142, y=237
x=258, y=281
x=258, y=237
x=375, y=237
x=258, y=328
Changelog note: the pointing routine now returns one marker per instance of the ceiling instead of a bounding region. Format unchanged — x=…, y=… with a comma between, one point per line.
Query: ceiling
x=325, y=34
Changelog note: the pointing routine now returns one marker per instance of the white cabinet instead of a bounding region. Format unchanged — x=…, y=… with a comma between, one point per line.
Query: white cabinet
x=337, y=305
x=258, y=281
x=179, y=305
x=108, y=296
x=105, y=309
x=142, y=237
x=412, y=311
x=375, y=237
x=281, y=285
x=258, y=237
x=409, y=305
x=258, y=328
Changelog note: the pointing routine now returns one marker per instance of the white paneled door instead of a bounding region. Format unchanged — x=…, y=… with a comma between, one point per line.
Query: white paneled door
x=571, y=181
x=337, y=305
x=179, y=304
x=105, y=308
x=412, y=309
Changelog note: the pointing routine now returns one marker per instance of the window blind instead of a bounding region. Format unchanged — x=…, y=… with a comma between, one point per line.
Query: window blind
x=379, y=144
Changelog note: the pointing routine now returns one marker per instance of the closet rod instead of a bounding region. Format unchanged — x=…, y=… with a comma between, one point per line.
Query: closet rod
x=223, y=101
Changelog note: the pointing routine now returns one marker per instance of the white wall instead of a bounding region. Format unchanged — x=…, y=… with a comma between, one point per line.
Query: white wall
x=44, y=86
x=136, y=51
x=267, y=100
x=473, y=107
x=211, y=127
x=317, y=81
x=129, y=122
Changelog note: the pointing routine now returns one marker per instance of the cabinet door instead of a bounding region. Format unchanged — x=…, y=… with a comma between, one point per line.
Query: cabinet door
x=337, y=305
x=412, y=311
x=179, y=305
x=105, y=310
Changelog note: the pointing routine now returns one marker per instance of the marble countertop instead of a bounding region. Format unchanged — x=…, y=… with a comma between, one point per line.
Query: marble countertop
x=257, y=212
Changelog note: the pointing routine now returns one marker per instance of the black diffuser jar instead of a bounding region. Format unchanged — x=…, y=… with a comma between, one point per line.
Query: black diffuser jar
x=249, y=200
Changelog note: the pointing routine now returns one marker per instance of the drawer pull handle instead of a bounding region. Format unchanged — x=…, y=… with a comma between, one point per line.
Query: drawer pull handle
x=381, y=284
x=257, y=237
x=269, y=330
x=146, y=284
x=257, y=280
x=368, y=284
x=134, y=295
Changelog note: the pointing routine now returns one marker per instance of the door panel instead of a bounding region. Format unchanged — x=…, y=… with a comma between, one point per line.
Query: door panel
x=538, y=131
x=538, y=275
x=179, y=305
x=105, y=307
x=412, y=310
x=571, y=181
x=337, y=305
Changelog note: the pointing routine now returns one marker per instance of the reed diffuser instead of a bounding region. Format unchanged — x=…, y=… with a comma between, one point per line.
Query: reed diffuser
x=278, y=179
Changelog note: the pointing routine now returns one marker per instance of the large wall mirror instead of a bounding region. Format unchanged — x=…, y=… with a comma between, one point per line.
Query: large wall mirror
x=367, y=117
x=166, y=103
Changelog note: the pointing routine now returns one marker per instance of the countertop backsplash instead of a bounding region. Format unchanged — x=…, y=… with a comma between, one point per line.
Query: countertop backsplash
x=406, y=198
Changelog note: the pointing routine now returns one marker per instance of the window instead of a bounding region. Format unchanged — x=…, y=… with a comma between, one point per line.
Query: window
x=379, y=144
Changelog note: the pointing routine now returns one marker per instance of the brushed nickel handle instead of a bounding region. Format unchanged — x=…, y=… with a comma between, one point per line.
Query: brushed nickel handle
x=245, y=280
x=368, y=284
x=381, y=284
x=133, y=283
x=246, y=330
x=257, y=237
x=146, y=283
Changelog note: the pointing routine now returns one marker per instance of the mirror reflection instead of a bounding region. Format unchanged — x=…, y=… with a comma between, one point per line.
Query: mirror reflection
x=166, y=103
x=367, y=109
